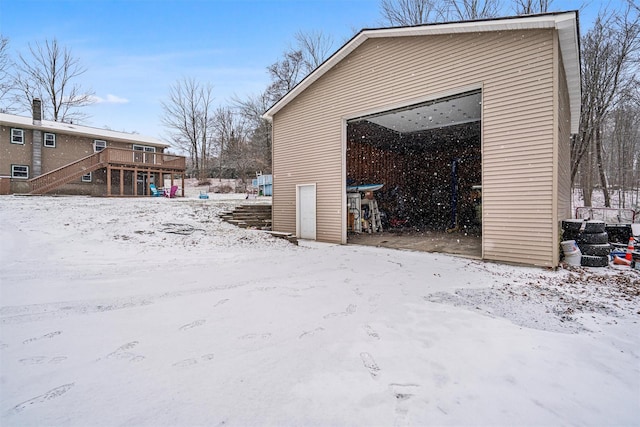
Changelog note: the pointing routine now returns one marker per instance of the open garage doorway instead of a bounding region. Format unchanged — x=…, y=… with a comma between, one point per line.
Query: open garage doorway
x=414, y=177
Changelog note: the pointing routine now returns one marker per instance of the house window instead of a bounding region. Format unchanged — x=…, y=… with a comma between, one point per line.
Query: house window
x=143, y=153
x=17, y=136
x=99, y=145
x=49, y=140
x=19, y=171
x=144, y=148
x=86, y=177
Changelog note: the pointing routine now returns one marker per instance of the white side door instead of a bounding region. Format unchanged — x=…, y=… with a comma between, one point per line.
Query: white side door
x=306, y=211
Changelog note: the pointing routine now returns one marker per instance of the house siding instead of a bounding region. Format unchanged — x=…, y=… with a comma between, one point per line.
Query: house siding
x=69, y=148
x=13, y=154
x=564, y=148
x=514, y=70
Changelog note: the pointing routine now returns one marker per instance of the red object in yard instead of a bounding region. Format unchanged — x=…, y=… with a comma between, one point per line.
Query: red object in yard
x=172, y=192
x=630, y=247
x=621, y=261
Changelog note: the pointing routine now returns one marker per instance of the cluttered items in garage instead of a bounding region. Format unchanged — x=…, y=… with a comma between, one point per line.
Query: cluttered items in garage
x=363, y=214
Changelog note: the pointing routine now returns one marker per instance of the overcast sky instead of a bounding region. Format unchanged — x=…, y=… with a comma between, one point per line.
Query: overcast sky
x=135, y=50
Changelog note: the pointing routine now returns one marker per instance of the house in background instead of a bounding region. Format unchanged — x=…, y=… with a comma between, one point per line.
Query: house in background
x=466, y=125
x=40, y=156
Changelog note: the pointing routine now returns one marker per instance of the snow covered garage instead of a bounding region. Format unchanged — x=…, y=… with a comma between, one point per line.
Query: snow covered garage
x=465, y=125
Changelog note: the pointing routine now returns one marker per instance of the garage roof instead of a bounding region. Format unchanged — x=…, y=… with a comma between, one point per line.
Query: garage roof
x=566, y=23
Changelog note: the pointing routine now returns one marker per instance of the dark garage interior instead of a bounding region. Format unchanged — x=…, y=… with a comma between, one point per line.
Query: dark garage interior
x=428, y=158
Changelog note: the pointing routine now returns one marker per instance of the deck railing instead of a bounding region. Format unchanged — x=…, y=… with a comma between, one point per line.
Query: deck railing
x=108, y=156
x=144, y=158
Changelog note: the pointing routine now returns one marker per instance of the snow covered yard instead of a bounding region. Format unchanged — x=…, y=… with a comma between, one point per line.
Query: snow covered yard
x=153, y=312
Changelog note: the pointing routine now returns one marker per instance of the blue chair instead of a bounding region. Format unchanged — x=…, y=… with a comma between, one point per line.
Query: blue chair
x=155, y=192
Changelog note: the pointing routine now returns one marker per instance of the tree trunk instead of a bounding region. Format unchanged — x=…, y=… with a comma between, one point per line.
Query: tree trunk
x=585, y=178
x=600, y=167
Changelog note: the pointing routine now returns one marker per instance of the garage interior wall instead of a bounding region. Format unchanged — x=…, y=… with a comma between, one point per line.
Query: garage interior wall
x=514, y=69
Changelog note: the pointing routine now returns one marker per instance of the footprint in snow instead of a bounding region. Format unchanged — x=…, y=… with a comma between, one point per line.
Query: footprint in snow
x=190, y=362
x=309, y=333
x=123, y=352
x=45, y=336
x=370, y=364
x=36, y=360
x=194, y=324
x=402, y=393
x=371, y=332
x=255, y=336
x=351, y=308
x=51, y=394
x=185, y=363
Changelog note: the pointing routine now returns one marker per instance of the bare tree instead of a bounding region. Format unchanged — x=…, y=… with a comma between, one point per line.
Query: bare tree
x=621, y=144
x=251, y=110
x=5, y=77
x=311, y=49
x=223, y=123
x=410, y=12
x=472, y=9
x=235, y=151
x=609, y=65
x=315, y=47
x=187, y=114
x=529, y=7
x=49, y=73
x=285, y=73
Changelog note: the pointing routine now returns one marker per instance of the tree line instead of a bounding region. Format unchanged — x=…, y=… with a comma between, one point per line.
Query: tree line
x=234, y=141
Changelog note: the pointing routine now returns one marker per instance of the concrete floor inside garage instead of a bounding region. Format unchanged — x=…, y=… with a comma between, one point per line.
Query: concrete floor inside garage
x=456, y=243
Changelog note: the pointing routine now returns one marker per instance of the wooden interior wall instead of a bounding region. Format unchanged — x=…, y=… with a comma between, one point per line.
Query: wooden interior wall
x=369, y=161
x=370, y=165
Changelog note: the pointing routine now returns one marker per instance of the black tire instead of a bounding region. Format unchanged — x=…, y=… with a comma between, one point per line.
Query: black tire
x=594, y=261
x=593, y=238
x=595, y=250
x=569, y=225
x=594, y=226
x=570, y=235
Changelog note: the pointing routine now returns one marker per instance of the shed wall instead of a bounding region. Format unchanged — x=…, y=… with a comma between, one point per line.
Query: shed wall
x=564, y=148
x=514, y=70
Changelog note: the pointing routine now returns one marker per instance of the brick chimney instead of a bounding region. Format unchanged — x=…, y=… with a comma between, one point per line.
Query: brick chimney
x=36, y=146
x=37, y=111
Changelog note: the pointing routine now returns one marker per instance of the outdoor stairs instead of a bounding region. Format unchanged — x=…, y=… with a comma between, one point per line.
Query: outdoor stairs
x=255, y=216
x=51, y=180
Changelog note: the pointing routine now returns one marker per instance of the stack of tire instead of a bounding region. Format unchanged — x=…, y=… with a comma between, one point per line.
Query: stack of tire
x=592, y=239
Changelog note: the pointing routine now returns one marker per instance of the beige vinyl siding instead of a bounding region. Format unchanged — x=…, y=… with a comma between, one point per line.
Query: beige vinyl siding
x=564, y=149
x=324, y=165
x=514, y=70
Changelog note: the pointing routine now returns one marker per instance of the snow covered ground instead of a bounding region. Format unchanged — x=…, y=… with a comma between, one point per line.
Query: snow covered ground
x=153, y=312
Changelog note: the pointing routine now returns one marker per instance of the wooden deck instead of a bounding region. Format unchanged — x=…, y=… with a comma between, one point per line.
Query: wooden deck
x=114, y=160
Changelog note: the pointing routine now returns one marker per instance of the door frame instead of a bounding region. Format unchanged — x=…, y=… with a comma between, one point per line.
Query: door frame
x=298, y=210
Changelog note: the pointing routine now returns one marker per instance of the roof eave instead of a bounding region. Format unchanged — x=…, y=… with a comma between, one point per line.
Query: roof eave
x=565, y=22
x=80, y=130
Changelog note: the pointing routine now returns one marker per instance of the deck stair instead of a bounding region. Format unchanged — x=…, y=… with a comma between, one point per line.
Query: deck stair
x=51, y=180
x=255, y=216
